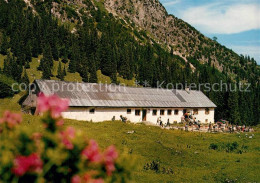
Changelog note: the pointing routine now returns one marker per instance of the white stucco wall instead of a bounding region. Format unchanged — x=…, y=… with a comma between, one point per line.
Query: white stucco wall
x=106, y=114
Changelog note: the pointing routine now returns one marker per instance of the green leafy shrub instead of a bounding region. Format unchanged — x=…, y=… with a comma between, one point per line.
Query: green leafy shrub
x=213, y=146
x=228, y=147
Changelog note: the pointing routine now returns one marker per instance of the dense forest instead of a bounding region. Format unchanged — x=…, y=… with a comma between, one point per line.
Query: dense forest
x=102, y=42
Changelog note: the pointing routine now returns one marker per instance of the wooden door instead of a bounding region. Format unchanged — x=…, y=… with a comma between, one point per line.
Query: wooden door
x=144, y=115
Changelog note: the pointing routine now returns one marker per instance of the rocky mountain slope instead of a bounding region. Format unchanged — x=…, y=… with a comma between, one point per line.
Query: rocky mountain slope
x=167, y=29
x=150, y=19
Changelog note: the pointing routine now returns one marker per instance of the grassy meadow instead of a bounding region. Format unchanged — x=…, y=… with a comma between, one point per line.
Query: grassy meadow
x=171, y=155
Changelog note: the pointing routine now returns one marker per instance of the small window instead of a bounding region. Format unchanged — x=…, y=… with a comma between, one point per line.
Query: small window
x=176, y=112
x=206, y=120
x=91, y=111
x=154, y=112
x=128, y=111
x=207, y=111
x=195, y=111
x=162, y=112
x=169, y=112
x=137, y=112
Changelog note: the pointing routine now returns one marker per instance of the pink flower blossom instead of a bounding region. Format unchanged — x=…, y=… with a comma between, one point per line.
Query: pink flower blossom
x=11, y=119
x=91, y=152
x=100, y=180
x=60, y=122
x=110, y=155
x=24, y=164
x=76, y=179
x=52, y=103
x=67, y=136
x=36, y=136
x=86, y=178
x=43, y=103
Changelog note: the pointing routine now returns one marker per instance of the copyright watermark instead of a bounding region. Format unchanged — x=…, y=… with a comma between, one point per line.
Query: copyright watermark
x=55, y=87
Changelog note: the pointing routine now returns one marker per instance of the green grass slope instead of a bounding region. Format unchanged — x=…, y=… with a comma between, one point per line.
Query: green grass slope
x=187, y=154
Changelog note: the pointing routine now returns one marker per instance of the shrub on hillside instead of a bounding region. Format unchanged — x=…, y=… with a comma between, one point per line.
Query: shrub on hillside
x=57, y=153
x=154, y=165
x=213, y=146
x=228, y=147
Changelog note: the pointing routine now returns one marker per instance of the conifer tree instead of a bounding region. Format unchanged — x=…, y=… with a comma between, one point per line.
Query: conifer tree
x=64, y=73
x=233, y=108
x=55, y=52
x=188, y=72
x=114, y=78
x=106, y=55
x=6, y=91
x=35, y=50
x=47, y=58
x=28, y=53
x=60, y=72
x=12, y=68
x=92, y=71
x=74, y=58
x=4, y=46
x=15, y=43
x=125, y=69
x=46, y=71
x=46, y=63
x=84, y=76
x=146, y=74
x=65, y=59
x=98, y=15
x=7, y=70
x=17, y=70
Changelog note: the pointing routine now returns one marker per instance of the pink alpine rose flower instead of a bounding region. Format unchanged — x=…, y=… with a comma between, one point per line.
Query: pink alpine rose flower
x=76, y=179
x=52, y=103
x=24, y=164
x=91, y=152
x=110, y=155
x=60, y=122
x=43, y=103
x=86, y=178
x=12, y=119
x=36, y=136
x=100, y=180
x=67, y=136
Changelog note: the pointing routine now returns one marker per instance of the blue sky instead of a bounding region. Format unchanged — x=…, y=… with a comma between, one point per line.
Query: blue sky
x=236, y=23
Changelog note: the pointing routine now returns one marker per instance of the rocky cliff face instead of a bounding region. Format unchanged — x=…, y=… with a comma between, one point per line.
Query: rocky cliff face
x=170, y=31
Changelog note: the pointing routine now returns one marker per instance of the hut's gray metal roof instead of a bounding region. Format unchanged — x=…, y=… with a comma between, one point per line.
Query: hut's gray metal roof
x=102, y=95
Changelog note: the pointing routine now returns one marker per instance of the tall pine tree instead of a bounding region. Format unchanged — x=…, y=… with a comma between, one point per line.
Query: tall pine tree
x=4, y=44
x=233, y=107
